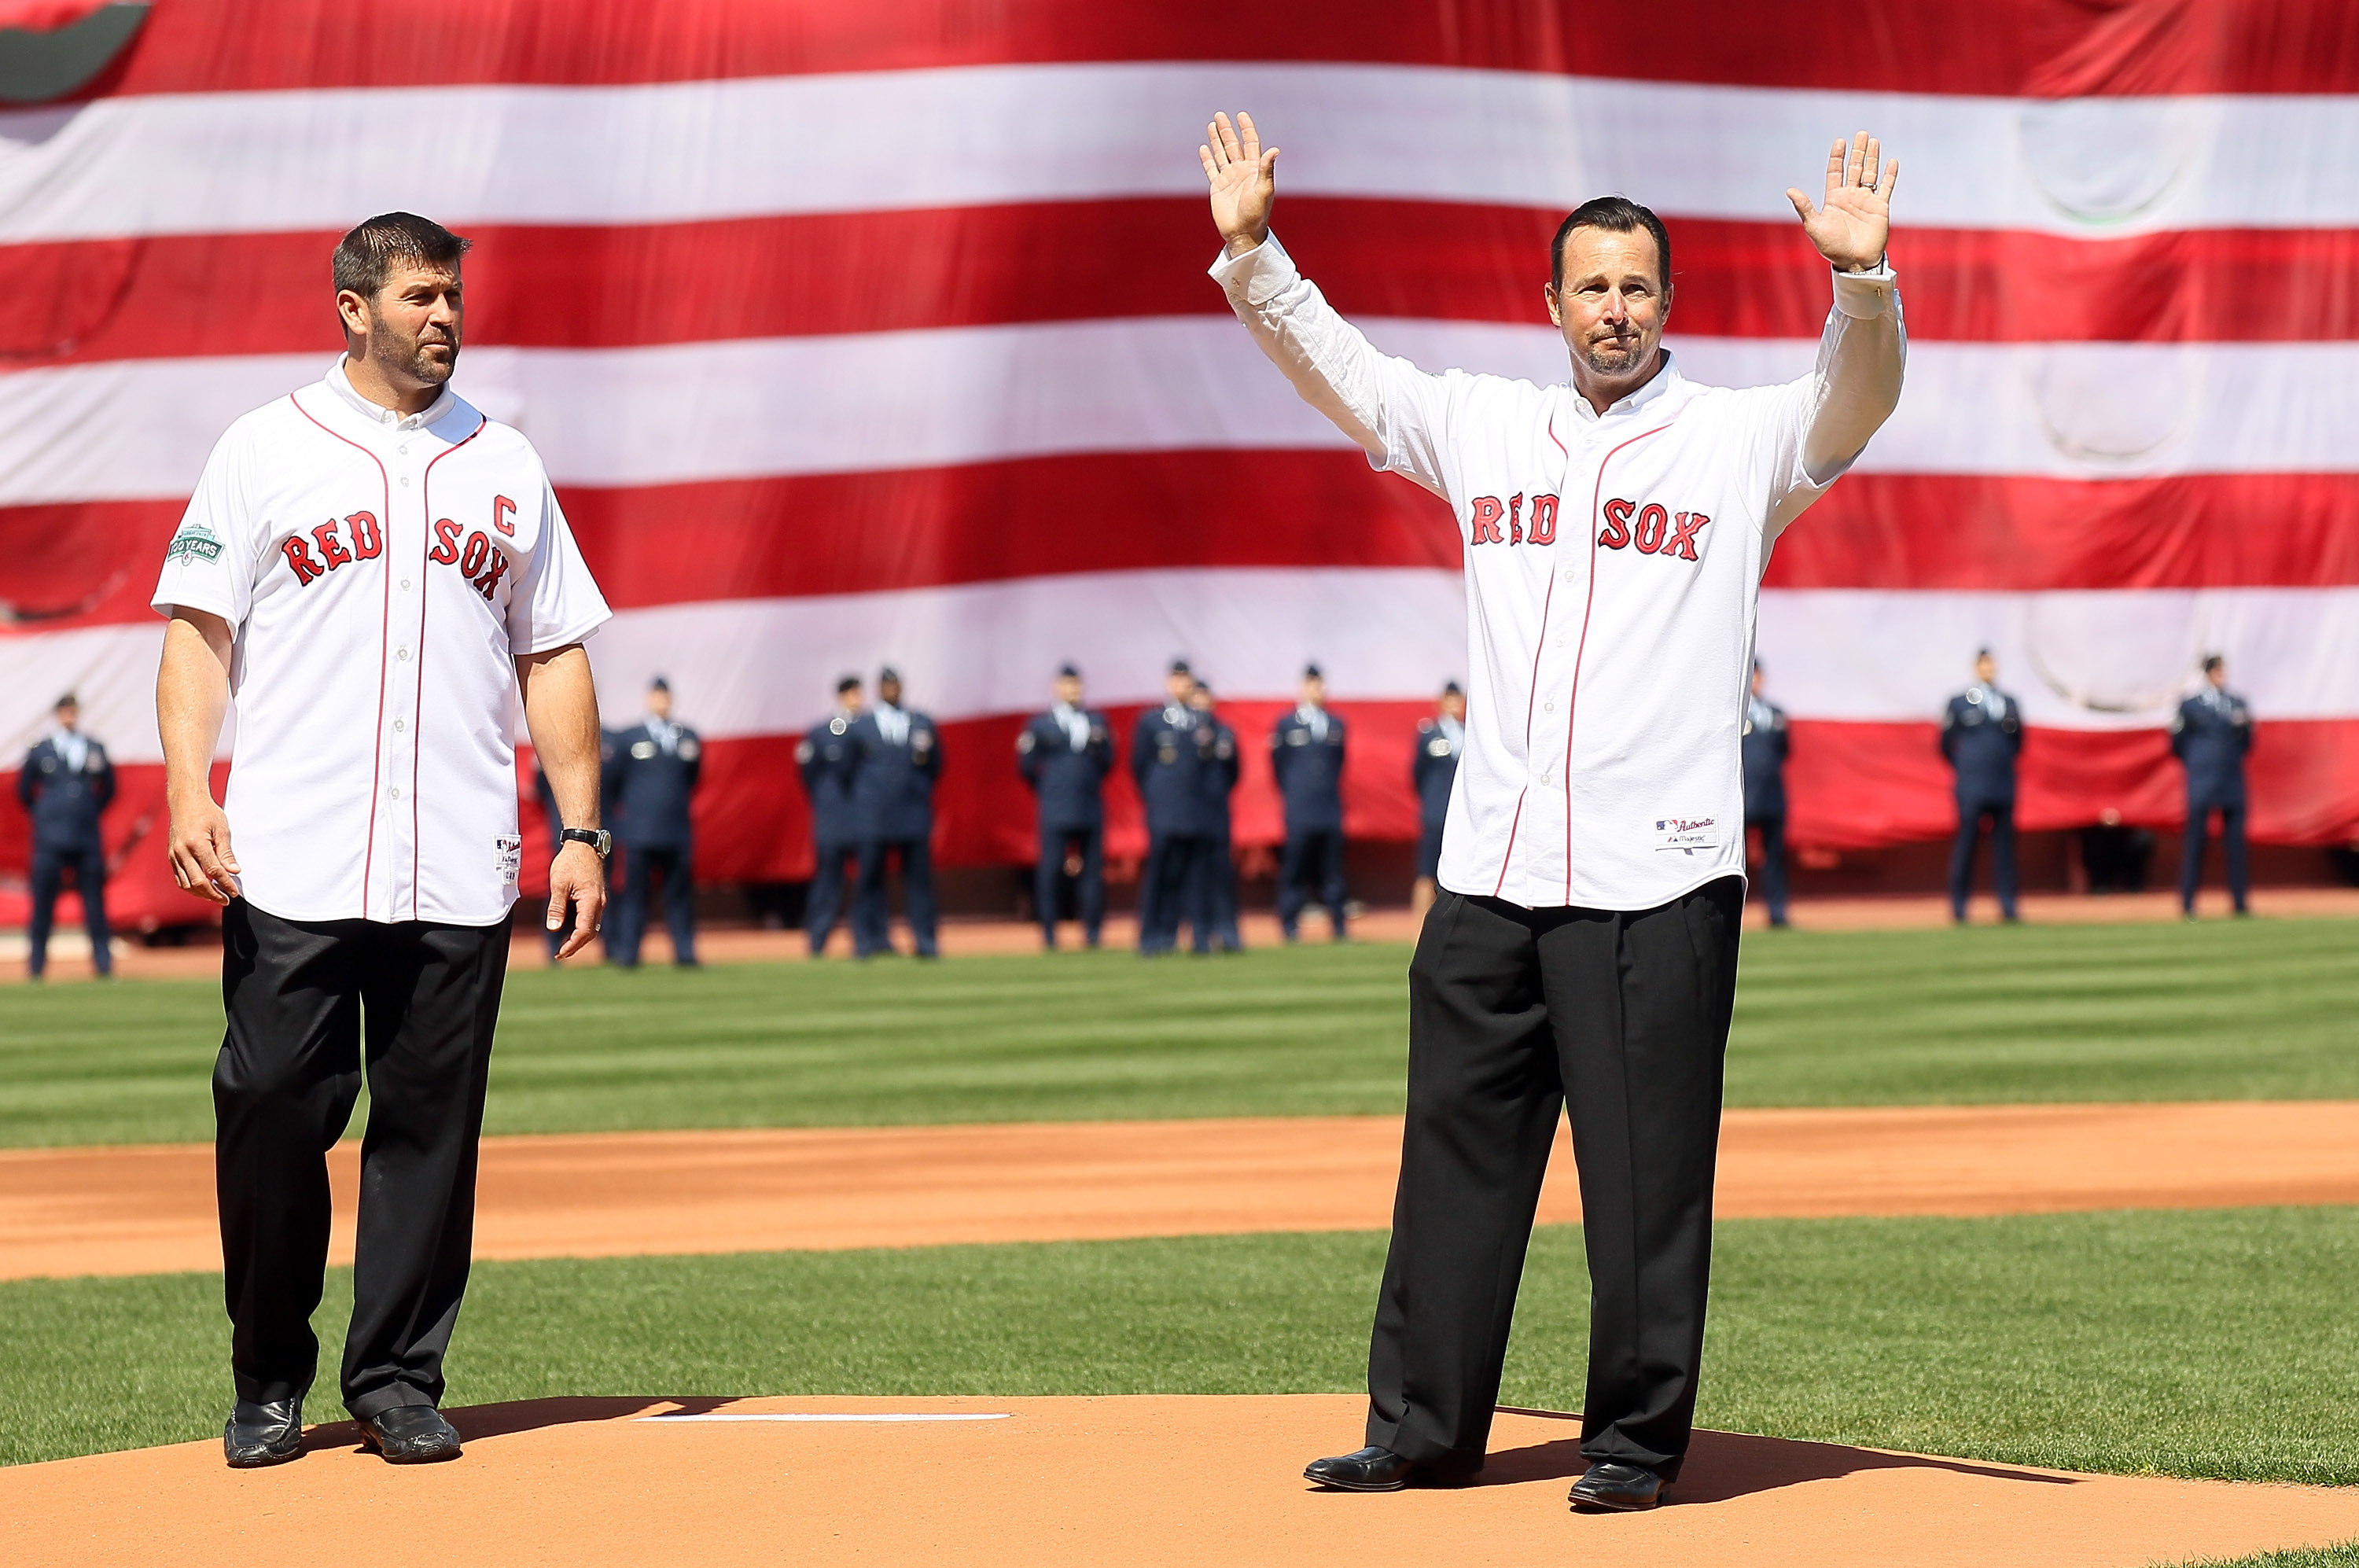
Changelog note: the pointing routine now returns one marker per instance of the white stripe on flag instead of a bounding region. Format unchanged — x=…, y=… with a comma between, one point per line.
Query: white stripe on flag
x=2097, y=660
x=673, y=413
x=319, y=160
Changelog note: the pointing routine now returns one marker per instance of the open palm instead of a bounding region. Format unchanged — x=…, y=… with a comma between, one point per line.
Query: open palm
x=1244, y=180
x=1850, y=228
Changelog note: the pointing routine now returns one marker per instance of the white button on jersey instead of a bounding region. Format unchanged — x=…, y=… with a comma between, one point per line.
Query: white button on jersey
x=374, y=777
x=1612, y=564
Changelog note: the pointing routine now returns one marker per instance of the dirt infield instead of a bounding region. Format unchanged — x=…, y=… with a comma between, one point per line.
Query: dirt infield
x=592, y=1483
x=135, y=1210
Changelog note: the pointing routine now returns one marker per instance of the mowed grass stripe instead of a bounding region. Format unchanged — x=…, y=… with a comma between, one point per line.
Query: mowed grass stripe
x=2201, y=1344
x=2250, y=1010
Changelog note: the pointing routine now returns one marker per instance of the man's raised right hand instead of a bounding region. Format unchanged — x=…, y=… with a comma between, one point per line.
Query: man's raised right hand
x=1244, y=180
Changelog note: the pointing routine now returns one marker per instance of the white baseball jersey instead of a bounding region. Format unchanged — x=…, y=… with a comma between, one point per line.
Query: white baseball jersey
x=382, y=573
x=1613, y=566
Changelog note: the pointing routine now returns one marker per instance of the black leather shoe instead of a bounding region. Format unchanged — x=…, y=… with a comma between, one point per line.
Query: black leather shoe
x=410, y=1434
x=1612, y=1487
x=257, y=1435
x=1379, y=1470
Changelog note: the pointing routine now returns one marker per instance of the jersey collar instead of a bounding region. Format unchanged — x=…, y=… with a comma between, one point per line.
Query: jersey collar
x=376, y=413
x=1661, y=385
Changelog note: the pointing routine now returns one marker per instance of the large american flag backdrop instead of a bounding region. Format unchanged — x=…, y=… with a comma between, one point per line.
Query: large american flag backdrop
x=863, y=330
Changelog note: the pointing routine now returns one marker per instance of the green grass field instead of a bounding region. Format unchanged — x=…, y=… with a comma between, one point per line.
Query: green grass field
x=2206, y=1344
x=2260, y=1009
x=2209, y=1344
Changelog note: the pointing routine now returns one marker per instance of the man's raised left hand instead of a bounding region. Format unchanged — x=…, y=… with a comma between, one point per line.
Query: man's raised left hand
x=1850, y=230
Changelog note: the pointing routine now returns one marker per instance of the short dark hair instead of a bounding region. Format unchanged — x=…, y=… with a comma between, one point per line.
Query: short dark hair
x=1616, y=214
x=365, y=256
x=849, y=683
x=2213, y=661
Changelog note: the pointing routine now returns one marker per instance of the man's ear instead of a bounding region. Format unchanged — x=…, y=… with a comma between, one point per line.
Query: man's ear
x=352, y=311
x=1556, y=312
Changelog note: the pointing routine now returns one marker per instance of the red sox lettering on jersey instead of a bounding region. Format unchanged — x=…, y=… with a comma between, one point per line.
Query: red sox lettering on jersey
x=1612, y=563
x=381, y=574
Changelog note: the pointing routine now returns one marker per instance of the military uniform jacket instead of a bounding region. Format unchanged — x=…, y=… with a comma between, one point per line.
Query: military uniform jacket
x=1310, y=773
x=63, y=801
x=2211, y=734
x=893, y=783
x=1168, y=753
x=647, y=788
x=1432, y=769
x=1069, y=780
x=1216, y=775
x=1765, y=759
x=828, y=760
x=1983, y=748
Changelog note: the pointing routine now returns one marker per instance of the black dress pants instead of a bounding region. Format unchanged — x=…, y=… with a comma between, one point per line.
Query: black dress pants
x=88, y=864
x=308, y=1002
x=1313, y=857
x=1048, y=875
x=1621, y=1019
x=645, y=864
x=1171, y=889
x=872, y=914
x=1962, y=853
x=2232, y=839
x=825, y=901
x=1773, y=865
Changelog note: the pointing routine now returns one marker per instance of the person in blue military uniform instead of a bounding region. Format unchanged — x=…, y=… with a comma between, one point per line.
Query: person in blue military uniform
x=1065, y=754
x=827, y=758
x=1216, y=776
x=897, y=756
x=2209, y=735
x=65, y=783
x=651, y=771
x=1433, y=770
x=1165, y=761
x=1764, y=750
x=1981, y=732
x=1306, y=754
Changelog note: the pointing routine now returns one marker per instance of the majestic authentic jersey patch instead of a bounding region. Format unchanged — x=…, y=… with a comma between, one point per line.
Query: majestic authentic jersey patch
x=1686, y=833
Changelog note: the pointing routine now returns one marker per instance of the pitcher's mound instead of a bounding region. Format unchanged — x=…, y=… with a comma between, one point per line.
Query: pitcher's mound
x=587, y=1483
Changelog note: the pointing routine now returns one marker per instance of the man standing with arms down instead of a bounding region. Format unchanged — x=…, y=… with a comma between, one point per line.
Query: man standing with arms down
x=369, y=569
x=1582, y=950
x=66, y=783
x=2209, y=735
x=1064, y=756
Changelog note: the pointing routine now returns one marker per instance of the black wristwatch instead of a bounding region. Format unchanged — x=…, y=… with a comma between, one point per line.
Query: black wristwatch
x=598, y=839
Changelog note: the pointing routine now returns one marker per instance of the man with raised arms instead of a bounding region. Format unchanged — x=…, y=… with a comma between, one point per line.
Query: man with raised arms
x=1581, y=952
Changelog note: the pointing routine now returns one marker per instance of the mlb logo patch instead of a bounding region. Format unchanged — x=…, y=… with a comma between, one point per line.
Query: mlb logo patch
x=1687, y=834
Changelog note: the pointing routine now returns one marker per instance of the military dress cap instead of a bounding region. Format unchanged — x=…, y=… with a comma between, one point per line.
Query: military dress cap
x=1180, y=667
x=1310, y=673
x=848, y=684
x=1451, y=690
x=1069, y=672
x=67, y=701
x=658, y=684
x=888, y=673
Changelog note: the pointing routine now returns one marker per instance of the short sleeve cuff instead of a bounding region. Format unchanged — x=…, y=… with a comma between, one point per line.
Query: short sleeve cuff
x=1258, y=275
x=190, y=596
x=565, y=634
x=1863, y=296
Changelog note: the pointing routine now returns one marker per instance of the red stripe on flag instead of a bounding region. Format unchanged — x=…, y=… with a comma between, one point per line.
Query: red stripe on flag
x=1862, y=785
x=175, y=296
x=95, y=563
x=2046, y=48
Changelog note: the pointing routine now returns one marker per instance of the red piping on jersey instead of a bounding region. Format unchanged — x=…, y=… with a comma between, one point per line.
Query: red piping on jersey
x=1507, y=856
x=384, y=638
x=1572, y=699
x=425, y=501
